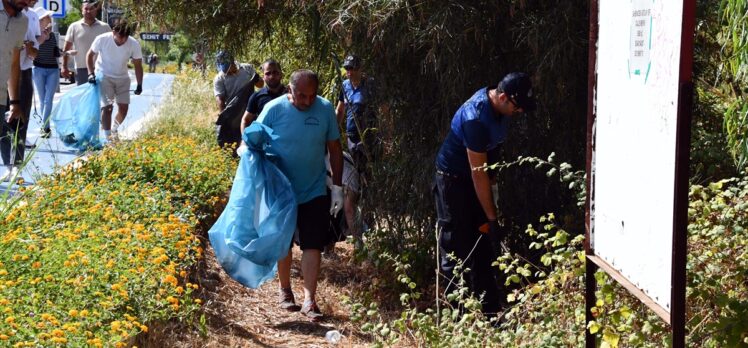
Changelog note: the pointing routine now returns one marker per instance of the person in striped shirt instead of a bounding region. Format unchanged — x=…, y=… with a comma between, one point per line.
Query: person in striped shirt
x=46, y=70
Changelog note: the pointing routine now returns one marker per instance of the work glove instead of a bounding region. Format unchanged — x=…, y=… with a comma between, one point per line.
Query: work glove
x=336, y=200
x=138, y=89
x=495, y=234
x=92, y=78
x=241, y=149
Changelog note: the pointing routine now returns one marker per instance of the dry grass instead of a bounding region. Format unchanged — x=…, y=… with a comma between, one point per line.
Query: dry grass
x=236, y=316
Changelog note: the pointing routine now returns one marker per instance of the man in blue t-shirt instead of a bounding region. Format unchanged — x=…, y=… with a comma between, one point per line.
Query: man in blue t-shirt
x=464, y=200
x=355, y=104
x=305, y=126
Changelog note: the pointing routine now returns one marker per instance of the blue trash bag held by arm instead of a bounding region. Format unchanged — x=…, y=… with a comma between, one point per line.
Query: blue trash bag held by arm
x=76, y=117
x=255, y=229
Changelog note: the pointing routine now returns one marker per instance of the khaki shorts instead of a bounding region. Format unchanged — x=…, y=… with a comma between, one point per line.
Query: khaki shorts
x=114, y=89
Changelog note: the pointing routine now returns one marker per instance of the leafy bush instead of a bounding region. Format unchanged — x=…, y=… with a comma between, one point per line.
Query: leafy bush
x=548, y=307
x=94, y=254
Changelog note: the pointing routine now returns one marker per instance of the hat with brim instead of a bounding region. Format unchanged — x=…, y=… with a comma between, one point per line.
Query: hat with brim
x=352, y=62
x=43, y=12
x=518, y=87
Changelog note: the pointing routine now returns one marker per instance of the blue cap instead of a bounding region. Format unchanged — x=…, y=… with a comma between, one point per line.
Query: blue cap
x=352, y=62
x=518, y=87
x=224, y=60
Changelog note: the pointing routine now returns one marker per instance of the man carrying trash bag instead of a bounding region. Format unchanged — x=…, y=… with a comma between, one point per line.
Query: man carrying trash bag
x=303, y=125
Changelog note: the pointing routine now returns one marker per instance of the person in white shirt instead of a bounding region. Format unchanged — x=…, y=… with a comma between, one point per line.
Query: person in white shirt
x=114, y=50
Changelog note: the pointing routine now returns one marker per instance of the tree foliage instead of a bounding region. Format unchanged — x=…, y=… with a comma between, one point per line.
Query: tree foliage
x=734, y=39
x=427, y=58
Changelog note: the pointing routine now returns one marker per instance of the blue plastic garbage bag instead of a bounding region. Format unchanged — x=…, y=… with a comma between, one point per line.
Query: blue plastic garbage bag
x=76, y=117
x=255, y=229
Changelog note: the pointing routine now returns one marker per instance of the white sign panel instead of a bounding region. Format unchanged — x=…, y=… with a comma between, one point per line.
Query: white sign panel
x=59, y=7
x=633, y=185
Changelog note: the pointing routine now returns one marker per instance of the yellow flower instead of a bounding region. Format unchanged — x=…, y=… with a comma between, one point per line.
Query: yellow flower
x=73, y=313
x=169, y=279
x=116, y=325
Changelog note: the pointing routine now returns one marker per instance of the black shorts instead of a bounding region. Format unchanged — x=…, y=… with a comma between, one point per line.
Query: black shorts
x=313, y=222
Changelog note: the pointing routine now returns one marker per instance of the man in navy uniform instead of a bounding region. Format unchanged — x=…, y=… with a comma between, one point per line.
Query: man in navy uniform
x=464, y=200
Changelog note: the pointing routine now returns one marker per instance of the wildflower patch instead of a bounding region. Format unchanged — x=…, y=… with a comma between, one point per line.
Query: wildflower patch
x=91, y=255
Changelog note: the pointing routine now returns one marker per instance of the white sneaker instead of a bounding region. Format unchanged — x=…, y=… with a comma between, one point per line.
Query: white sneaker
x=7, y=175
x=15, y=174
x=113, y=137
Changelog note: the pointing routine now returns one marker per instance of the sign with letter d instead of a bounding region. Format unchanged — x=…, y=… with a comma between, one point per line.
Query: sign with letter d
x=59, y=7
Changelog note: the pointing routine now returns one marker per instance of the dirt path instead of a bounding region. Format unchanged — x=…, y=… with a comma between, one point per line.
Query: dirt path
x=236, y=316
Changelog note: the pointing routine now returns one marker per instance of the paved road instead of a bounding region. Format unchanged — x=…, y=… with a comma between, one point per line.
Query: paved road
x=50, y=154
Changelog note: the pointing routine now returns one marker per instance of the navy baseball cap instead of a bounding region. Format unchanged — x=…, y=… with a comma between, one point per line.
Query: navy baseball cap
x=224, y=60
x=518, y=87
x=352, y=62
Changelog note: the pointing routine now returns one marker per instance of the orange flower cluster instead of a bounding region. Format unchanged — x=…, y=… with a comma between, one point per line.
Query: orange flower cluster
x=88, y=256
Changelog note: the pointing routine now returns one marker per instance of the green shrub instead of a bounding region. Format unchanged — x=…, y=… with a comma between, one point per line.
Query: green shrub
x=92, y=255
x=547, y=309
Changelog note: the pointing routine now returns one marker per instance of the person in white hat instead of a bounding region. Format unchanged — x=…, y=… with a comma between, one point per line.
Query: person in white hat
x=46, y=69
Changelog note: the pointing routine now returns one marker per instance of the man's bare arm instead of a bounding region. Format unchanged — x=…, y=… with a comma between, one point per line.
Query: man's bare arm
x=138, y=63
x=221, y=103
x=481, y=183
x=14, y=83
x=247, y=119
x=340, y=112
x=90, y=56
x=65, y=70
x=336, y=161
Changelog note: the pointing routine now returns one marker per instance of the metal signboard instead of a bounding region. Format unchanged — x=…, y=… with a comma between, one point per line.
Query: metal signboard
x=156, y=36
x=58, y=7
x=638, y=137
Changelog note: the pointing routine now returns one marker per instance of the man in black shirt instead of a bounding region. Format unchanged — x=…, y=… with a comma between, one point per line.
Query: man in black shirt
x=272, y=75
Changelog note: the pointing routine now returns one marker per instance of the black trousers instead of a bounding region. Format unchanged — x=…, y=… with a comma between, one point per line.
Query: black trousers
x=459, y=216
x=13, y=134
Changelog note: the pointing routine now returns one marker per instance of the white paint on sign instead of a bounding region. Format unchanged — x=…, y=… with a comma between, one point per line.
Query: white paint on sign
x=634, y=159
x=58, y=7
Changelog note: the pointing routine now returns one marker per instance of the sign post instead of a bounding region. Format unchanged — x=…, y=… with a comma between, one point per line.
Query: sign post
x=58, y=7
x=156, y=36
x=638, y=137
